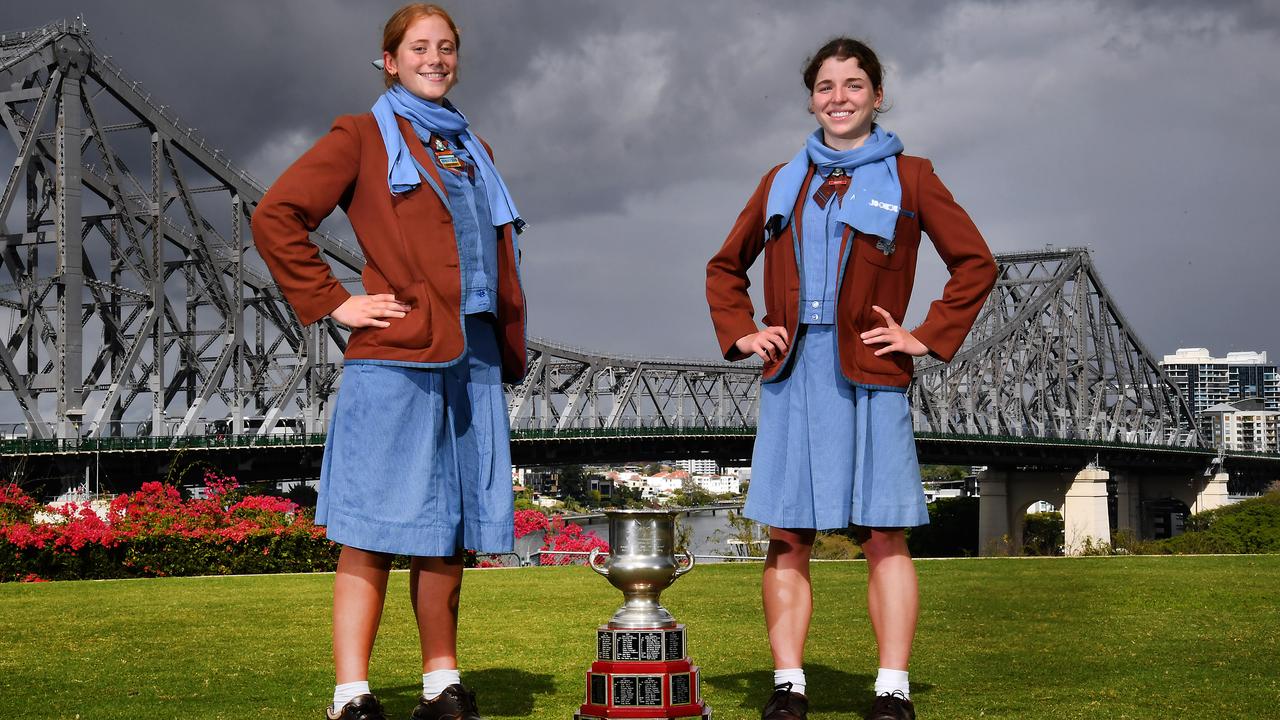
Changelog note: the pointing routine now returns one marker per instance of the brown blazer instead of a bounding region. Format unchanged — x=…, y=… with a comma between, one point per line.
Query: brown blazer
x=870, y=278
x=408, y=243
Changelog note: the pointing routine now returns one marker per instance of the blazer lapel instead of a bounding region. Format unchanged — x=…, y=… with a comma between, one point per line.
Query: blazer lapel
x=420, y=154
x=797, y=213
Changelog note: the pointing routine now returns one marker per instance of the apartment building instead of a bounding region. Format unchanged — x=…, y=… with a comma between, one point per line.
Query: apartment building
x=1244, y=425
x=1207, y=381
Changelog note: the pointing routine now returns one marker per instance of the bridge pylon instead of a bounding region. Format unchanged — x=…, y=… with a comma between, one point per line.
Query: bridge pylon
x=1096, y=503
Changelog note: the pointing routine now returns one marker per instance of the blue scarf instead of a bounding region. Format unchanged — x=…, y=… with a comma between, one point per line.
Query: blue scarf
x=427, y=118
x=870, y=205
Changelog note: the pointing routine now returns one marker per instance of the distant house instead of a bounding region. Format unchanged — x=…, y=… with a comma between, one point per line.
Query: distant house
x=666, y=483
x=627, y=479
x=719, y=484
x=603, y=484
x=537, y=480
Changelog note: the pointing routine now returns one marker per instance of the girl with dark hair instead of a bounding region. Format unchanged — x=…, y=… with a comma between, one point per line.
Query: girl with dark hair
x=839, y=226
x=417, y=460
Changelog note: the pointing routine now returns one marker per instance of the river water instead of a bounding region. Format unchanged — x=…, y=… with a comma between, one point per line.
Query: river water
x=709, y=532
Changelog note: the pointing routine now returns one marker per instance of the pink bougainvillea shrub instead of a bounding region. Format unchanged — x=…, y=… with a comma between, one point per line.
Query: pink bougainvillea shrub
x=154, y=531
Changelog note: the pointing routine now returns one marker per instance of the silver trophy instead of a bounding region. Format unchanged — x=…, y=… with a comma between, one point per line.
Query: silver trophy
x=642, y=564
x=642, y=668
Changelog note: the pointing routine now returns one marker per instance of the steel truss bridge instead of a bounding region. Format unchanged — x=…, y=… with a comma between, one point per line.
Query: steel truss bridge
x=138, y=326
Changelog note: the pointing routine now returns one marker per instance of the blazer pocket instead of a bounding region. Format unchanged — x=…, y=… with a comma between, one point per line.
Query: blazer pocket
x=865, y=355
x=413, y=331
x=893, y=363
x=871, y=249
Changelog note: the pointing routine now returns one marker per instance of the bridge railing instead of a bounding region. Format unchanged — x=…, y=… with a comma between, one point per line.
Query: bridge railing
x=572, y=433
x=630, y=423
x=1037, y=440
x=37, y=446
x=29, y=446
x=11, y=444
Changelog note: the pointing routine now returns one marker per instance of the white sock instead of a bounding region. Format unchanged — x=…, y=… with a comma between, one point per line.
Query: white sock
x=434, y=682
x=795, y=676
x=890, y=681
x=343, y=693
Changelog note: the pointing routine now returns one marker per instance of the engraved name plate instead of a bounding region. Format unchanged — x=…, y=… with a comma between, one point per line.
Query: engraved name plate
x=651, y=646
x=624, y=690
x=626, y=645
x=674, y=644
x=649, y=691
x=681, y=690
x=604, y=645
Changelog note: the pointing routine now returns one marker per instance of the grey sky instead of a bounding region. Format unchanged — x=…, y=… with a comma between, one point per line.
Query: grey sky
x=631, y=133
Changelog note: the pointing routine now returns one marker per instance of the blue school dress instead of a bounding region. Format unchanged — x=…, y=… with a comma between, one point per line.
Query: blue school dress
x=418, y=460
x=830, y=453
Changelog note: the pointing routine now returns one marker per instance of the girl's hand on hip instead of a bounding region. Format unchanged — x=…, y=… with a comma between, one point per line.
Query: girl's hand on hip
x=365, y=310
x=893, y=337
x=770, y=343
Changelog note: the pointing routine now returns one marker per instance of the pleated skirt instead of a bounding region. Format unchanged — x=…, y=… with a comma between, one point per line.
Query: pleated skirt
x=418, y=460
x=830, y=454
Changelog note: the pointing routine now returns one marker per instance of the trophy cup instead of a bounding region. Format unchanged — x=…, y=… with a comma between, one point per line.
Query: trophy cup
x=641, y=670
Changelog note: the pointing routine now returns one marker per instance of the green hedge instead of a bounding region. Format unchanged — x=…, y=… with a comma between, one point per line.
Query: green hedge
x=952, y=530
x=1249, y=526
x=1043, y=533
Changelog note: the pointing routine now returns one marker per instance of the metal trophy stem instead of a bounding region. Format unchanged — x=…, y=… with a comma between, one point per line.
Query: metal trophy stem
x=641, y=668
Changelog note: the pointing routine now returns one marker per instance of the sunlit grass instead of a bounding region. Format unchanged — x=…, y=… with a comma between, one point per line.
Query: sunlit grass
x=1142, y=637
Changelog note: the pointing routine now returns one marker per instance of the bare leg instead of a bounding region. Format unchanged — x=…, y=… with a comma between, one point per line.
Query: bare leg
x=359, y=590
x=788, y=595
x=893, y=596
x=435, y=587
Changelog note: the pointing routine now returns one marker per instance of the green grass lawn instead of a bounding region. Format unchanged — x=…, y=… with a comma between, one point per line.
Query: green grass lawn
x=1140, y=637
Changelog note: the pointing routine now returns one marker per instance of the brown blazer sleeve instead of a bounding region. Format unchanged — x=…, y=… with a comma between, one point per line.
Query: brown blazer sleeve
x=294, y=207
x=973, y=271
x=732, y=313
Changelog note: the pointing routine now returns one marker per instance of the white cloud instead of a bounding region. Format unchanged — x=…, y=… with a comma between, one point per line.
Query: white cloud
x=278, y=152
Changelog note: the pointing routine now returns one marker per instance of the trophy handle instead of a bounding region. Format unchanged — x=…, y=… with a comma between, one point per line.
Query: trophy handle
x=591, y=561
x=682, y=569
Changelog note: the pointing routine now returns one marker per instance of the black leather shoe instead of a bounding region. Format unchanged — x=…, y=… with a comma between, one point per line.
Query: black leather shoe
x=785, y=705
x=894, y=706
x=360, y=707
x=455, y=703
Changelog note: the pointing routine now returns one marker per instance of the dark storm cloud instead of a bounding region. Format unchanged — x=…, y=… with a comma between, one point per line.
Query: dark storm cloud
x=631, y=133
